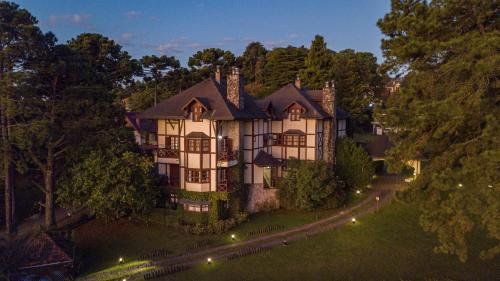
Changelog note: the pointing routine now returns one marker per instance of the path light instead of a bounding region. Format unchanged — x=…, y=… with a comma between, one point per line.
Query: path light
x=233, y=236
x=124, y=279
x=353, y=220
x=378, y=199
x=490, y=186
x=120, y=260
x=220, y=137
x=358, y=191
x=460, y=185
x=209, y=260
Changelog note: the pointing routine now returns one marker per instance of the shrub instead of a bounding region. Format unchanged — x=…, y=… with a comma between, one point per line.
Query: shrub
x=306, y=185
x=354, y=165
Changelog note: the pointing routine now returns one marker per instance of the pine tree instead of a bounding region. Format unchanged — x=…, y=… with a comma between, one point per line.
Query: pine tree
x=447, y=111
x=318, y=64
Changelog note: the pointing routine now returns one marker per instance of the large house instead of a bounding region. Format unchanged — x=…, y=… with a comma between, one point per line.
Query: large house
x=209, y=131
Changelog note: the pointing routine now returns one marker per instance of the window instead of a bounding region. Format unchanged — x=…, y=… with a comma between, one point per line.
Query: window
x=162, y=169
x=198, y=176
x=205, y=176
x=205, y=145
x=196, y=208
x=197, y=110
x=295, y=114
x=295, y=140
x=172, y=142
x=277, y=139
x=198, y=145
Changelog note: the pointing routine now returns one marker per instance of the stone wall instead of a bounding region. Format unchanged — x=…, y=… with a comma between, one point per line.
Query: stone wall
x=262, y=199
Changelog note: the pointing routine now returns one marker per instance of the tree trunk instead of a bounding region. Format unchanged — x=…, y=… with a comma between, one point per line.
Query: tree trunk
x=50, y=219
x=7, y=162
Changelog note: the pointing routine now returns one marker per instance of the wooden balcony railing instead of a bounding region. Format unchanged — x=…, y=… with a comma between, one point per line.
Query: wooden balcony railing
x=225, y=186
x=227, y=155
x=168, y=153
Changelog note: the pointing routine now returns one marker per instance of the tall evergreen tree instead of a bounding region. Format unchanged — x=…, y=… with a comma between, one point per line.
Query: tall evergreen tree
x=18, y=34
x=447, y=111
x=154, y=69
x=282, y=67
x=204, y=63
x=252, y=62
x=318, y=64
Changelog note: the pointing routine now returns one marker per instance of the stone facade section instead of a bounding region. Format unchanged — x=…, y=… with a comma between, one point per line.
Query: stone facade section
x=261, y=199
x=235, y=88
x=330, y=127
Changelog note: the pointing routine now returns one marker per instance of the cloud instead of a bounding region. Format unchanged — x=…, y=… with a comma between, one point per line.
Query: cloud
x=198, y=45
x=274, y=44
x=76, y=19
x=169, y=48
x=294, y=35
x=132, y=14
x=228, y=39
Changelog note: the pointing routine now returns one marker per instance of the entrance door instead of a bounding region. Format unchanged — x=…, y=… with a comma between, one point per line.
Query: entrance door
x=174, y=175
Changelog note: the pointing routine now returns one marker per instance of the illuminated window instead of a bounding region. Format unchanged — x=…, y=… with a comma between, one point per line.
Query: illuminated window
x=295, y=140
x=198, y=176
x=197, y=110
x=198, y=145
x=172, y=142
x=295, y=114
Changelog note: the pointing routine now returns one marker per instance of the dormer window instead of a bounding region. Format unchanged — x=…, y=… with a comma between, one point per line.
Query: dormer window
x=294, y=110
x=295, y=114
x=196, y=111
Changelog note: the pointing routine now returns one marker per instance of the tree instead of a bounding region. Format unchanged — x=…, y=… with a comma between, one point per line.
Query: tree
x=18, y=33
x=154, y=69
x=353, y=164
x=357, y=81
x=205, y=62
x=307, y=185
x=111, y=182
x=282, y=67
x=447, y=111
x=318, y=64
x=252, y=63
x=68, y=105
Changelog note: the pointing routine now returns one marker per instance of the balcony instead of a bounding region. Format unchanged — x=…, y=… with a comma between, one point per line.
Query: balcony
x=225, y=152
x=225, y=186
x=168, y=153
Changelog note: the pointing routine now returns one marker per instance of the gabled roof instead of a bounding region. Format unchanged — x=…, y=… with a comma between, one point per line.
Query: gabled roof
x=284, y=96
x=42, y=250
x=317, y=97
x=212, y=95
x=264, y=159
x=204, y=103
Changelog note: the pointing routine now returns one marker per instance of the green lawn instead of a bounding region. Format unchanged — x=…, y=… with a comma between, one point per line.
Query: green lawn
x=385, y=246
x=100, y=244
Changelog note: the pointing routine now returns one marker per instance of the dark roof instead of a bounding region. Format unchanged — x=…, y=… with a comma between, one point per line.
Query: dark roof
x=294, y=132
x=264, y=159
x=42, y=250
x=197, y=135
x=317, y=97
x=378, y=146
x=140, y=124
x=213, y=97
x=283, y=97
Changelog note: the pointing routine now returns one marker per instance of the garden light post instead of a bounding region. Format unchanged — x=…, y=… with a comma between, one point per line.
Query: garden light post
x=377, y=198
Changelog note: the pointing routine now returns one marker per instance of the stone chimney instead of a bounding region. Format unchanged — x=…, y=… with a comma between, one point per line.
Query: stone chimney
x=235, y=88
x=330, y=126
x=328, y=98
x=297, y=82
x=217, y=74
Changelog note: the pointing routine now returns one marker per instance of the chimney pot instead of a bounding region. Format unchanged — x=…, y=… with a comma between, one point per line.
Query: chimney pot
x=297, y=82
x=217, y=74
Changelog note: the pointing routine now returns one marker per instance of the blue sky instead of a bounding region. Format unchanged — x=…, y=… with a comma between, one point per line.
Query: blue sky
x=180, y=28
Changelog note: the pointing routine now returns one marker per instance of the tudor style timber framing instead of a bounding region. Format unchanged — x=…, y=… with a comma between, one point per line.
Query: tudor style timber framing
x=208, y=127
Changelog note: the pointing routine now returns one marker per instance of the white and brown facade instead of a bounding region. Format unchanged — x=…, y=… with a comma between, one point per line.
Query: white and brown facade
x=209, y=131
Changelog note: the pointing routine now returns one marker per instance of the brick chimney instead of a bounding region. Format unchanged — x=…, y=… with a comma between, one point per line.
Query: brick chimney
x=328, y=99
x=217, y=74
x=235, y=88
x=297, y=82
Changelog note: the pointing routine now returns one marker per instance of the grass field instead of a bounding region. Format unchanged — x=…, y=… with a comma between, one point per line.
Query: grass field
x=100, y=244
x=388, y=245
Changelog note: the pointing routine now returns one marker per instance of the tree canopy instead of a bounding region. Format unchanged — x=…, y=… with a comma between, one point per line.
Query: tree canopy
x=447, y=112
x=308, y=185
x=353, y=165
